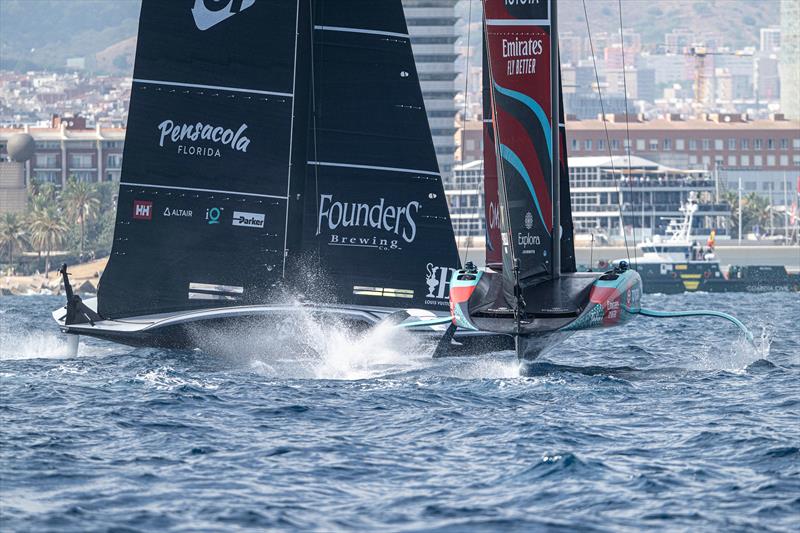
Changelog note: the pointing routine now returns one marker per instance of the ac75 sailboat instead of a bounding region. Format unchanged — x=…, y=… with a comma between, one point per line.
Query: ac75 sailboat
x=278, y=158
x=530, y=288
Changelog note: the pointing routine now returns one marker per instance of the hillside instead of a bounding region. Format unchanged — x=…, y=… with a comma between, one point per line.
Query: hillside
x=733, y=22
x=44, y=33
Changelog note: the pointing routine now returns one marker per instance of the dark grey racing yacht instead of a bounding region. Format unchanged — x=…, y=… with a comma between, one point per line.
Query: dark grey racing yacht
x=278, y=160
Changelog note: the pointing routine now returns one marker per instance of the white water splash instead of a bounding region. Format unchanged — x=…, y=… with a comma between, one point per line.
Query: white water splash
x=43, y=345
x=301, y=345
x=736, y=355
x=166, y=378
x=489, y=367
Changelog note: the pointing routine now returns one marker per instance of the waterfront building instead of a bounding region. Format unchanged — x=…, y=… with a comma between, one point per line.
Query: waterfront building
x=13, y=192
x=713, y=141
x=68, y=149
x=612, y=192
x=606, y=193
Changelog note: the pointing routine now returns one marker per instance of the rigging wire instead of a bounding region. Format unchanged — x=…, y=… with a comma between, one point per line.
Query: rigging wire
x=605, y=127
x=464, y=120
x=628, y=129
x=314, y=117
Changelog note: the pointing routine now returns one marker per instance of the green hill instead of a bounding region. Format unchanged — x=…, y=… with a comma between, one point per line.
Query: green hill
x=44, y=33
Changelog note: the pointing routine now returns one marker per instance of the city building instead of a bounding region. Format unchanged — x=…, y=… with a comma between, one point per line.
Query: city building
x=790, y=59
x=607, y=193
x=470, y=142
x=466, y=200
x=431, y=24
x=778, y=187
x=612, y=192
x=13, y=192
x=767, y=84
x=68, y=149
x=769, y=40
x=713, y=141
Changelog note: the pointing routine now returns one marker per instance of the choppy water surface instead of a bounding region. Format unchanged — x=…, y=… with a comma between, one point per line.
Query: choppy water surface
x=696, y=430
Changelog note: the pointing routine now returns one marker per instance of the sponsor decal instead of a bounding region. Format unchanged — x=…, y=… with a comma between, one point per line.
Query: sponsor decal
x=438, y=282
x=209, y=13
x=142, y=210
x=213, y=215
x=519, y=54
x=170, y=212
x=185, y=134
x=526, y=240
x=494, y=216
x=248, y=220
x=385, y=221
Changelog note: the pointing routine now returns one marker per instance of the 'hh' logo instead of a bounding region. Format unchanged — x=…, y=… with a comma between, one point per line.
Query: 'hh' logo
x=142, y=210
x=208, y=13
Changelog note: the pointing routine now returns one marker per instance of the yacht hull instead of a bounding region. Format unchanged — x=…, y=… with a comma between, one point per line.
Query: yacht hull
x=200, y=329
x=554, y=309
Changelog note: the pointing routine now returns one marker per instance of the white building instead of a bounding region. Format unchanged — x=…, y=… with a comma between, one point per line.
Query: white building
x=604, y=193
x=466, y=200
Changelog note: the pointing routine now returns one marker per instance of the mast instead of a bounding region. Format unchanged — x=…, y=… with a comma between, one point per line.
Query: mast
x=511, y=265
x=555, y=76
x=494, y=251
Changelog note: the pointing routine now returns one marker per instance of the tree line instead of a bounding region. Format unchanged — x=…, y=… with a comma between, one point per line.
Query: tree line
x=78, y=220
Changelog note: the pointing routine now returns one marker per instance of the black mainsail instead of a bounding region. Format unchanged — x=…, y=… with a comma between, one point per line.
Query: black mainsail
x=252, y=156
x=376, y=214
x=202, y=210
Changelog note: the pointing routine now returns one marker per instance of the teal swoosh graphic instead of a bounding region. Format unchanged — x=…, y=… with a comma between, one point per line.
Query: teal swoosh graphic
x=537, y=110
x=509, y=155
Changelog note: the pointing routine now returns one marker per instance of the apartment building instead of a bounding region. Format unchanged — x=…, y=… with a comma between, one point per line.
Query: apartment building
x=431, y=24
x=68, y=149
x=712, y=142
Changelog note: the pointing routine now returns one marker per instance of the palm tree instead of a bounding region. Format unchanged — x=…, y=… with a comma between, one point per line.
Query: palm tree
x=81, y=204
x=755, y=211
x=48, y=230
x=44, y=194
x=12, y=235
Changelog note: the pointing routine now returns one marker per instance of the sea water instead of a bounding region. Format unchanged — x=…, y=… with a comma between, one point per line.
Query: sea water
x=674, y=424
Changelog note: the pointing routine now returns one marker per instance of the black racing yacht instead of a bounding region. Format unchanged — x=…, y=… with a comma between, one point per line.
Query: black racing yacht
x=278, y=160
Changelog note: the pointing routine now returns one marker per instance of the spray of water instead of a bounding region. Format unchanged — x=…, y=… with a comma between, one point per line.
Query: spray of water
x=43, y=345
x=304, y=344
x=736, y=356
